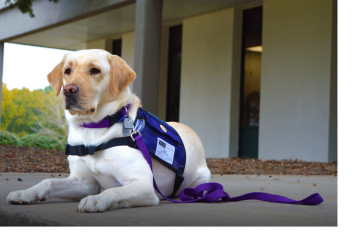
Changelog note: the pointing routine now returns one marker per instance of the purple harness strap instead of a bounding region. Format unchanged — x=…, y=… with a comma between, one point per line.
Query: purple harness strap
x=214, y=192
x=108, y=121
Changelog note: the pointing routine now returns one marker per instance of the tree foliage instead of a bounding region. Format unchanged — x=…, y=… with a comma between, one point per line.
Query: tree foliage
x=41, y=141
x=33, y=112
x=25, y=6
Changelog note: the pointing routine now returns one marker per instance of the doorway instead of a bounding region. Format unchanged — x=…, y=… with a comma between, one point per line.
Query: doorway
x=174, y=74
x=117, y=46
x=252, y=49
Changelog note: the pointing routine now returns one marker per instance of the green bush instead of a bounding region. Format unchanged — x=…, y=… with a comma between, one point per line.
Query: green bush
x=41, y=141
x=7, y=138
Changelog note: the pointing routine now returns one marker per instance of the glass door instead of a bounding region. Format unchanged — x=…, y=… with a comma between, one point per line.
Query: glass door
x=250, y=83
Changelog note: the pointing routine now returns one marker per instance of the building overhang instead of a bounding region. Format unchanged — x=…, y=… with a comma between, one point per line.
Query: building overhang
x=15, y=24
x=71, y=24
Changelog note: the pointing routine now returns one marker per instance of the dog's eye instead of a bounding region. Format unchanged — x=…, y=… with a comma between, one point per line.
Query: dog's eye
x=68, y=71
x=94, y=71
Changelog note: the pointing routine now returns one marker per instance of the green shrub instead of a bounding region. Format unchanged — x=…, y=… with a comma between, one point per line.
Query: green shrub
x=41, y=141
x=7, y=138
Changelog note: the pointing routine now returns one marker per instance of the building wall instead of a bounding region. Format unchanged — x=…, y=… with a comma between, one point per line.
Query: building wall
x=206, y=78
x=296, y=80
x=127, y=48
x=97, y=44
x=333, y=89
x=298, y=89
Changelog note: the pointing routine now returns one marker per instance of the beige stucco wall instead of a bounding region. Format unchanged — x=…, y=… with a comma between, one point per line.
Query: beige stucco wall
x=206, y=78
x=127, y=49
x=296, y=80
x=97, y=44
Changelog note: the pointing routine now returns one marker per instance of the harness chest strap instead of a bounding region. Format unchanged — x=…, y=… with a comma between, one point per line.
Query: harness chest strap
x=82, y=150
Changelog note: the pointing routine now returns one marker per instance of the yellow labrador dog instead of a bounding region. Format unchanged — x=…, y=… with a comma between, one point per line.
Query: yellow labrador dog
x=95, y=84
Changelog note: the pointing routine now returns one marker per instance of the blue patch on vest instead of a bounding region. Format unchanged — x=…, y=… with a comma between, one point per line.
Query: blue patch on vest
x=162, y=141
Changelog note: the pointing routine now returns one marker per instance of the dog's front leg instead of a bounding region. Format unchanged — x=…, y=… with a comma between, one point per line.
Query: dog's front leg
x=134, y=194
x=72, y=188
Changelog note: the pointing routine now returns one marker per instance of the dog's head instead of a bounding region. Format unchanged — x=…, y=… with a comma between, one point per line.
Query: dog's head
x=90, y=77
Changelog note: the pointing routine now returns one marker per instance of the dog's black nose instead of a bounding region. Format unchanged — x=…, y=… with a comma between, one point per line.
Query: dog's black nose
x=70, y=89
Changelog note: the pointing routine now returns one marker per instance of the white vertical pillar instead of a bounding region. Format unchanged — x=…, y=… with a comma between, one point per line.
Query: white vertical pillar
x=147, y=52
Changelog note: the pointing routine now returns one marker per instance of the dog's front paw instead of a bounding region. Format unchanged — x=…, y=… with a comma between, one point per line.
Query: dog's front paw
x=21, y=197
x=95, y=203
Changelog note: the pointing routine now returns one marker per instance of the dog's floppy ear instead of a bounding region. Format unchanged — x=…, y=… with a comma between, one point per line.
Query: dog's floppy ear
x=55, y=77
x=121, y=75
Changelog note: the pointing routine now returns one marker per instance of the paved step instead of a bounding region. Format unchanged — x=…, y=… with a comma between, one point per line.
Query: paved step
x=246, y=213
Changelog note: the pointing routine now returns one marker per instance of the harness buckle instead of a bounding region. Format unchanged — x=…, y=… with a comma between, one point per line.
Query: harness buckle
x=91, y=150
x=133, y=134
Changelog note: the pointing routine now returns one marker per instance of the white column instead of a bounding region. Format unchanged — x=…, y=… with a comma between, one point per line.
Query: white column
x=147, y=52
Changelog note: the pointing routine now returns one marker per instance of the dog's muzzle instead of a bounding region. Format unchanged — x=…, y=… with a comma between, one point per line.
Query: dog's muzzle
x=71, y=92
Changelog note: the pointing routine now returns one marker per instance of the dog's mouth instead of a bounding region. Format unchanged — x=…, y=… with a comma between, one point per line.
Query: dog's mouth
x=81, y=111
x=75, y=108
x=72, y=102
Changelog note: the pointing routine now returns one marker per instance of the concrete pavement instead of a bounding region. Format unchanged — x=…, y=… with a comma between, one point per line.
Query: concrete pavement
x=245, y=213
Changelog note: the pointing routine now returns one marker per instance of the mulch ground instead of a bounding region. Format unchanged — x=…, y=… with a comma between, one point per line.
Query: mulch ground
x=27, y=159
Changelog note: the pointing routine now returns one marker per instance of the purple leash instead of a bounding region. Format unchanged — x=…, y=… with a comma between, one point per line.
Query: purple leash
x=214, y=192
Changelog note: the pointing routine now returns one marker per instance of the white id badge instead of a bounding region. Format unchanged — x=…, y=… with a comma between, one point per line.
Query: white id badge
x=165, y=151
